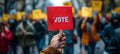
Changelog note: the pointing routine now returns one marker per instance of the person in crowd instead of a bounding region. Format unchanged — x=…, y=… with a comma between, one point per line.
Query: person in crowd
x=108, y=32
x=25, y=33
x=89, y=34
x=105, y=19
x=40, y=32
x=114, y=45
x=69, y=48
x=79, y=31
x=12, y=25
x=5, y=38
x=56, y=45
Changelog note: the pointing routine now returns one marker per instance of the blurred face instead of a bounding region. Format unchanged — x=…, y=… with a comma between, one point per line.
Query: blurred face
x=115, y=23
x=24, y=20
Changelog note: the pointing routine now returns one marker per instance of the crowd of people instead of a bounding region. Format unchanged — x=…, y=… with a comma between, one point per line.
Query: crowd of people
x=90, y=30
x=24, y=33
x=96, y=29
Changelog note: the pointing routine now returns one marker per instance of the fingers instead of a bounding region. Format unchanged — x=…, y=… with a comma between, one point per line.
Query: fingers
x=63, y=39
x=60, y=35
x=62, y=43
x=62, y=46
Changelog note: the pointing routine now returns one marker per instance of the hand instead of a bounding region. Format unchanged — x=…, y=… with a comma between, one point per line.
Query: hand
x=83, y=25
x=58, y=41
x=84, y=20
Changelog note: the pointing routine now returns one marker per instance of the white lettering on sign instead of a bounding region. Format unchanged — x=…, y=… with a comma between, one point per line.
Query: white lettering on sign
x=60, y=19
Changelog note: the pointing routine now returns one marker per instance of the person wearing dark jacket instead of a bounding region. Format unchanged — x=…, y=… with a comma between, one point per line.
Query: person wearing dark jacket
x=5, y=38
x=13, y=45
x=114, y=46
x=25, y=33
x=108, y=33
x=40, y=31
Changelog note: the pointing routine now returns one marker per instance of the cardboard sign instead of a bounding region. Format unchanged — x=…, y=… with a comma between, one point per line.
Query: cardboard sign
x=86, y=12
x=43, y=16
x=36, y=14
x=96, y=5
x=117, y=10
x=67, y=3
x=19, y=15
x=5, y=17
x=59, y=18
x=79, y=12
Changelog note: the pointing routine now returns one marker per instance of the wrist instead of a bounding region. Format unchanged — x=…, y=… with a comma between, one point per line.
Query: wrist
x=55, y=47
x=53, y=50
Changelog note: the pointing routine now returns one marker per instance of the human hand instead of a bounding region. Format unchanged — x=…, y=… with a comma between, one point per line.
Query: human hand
x=84, y=20
x=58, y=41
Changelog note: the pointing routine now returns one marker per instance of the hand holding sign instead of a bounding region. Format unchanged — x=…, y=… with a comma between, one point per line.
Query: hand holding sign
x=59, y=18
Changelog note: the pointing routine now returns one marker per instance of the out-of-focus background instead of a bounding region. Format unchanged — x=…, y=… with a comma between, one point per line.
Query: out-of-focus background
x=34, y=37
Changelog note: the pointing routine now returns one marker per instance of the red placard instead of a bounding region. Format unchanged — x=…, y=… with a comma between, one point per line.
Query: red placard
x=59, y=18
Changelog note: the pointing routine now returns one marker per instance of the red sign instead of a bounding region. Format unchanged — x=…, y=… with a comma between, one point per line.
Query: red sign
x=59, y=18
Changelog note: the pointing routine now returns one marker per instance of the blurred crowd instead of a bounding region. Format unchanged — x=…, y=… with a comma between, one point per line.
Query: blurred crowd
x=27, y=33
x=91, y=33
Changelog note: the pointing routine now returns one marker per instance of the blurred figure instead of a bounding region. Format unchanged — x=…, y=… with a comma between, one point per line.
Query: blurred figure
x=56, y=45
x=104, y=18
x=69, y=49
x=79, y=30
x=70, y=40
x=5, y=38
x=109, y=31
x=89, y=34
x=114, y=45
x=12, y=25
x=25, y=33
x=40, y=32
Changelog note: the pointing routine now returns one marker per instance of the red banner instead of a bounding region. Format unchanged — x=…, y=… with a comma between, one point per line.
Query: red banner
x=59, y=18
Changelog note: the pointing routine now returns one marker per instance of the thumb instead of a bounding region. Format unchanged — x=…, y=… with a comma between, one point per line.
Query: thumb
x=60, y=34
